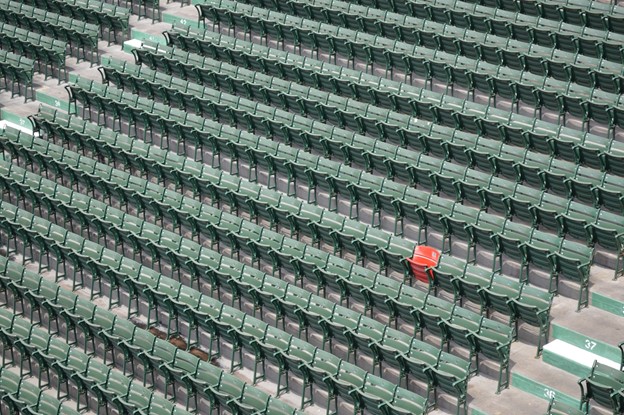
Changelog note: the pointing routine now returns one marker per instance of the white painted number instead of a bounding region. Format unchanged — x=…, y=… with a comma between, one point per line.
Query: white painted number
x=183, y=21
x=549, y=393
x=589, y=345
x=57, y=103
x=22, y=122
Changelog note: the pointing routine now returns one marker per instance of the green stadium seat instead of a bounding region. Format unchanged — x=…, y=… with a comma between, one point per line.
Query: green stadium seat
x=604, y=385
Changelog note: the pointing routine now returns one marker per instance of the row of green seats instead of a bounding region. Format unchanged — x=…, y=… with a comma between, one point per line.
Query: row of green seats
x=164, y=244
x=20, y=395
x=546, y=251
x=494, y=292
x=143, y=5
x=116, y=333
x=17, y=74
x=463, y=281
x=497, y=50
x=356, y=282
x=87, y=373
x=490, y=192
x=276, y=345
x=538, y=91
x=393, y=249
x=560, y=177
x=605, y=386
x=593, y=13
x=81, y=35
x=371, y=188
x=49, y=52
x=577, y=146
x=106, y=16
x=597, y=42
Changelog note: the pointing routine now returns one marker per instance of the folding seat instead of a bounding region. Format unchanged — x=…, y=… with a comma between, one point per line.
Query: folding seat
x=456, y=225
x=323, y=370
x=316, y=314
x=251, y=402
x=444, y=276
x=344, y=183
x=533, y=307
x=493, y=341
x=274, y=346
x=270, y=293
x=433, y=316
x=470, y=285
x=279, y=208
x=42, y=403
x=11, y=387
x=367, y=337
x=573, y=262
x=451, y=375
x=294, y=303
x=338, y=325
x=248, y=334
x=228, y=391
x=480, y=233
x=375, y=395
x=324, y=227
x=518, y=201
x=605, y=386
x=349, y=379
x=301, y=221
x=300, y=357
x=287, y=257
x=461, y=328
x=499, y=294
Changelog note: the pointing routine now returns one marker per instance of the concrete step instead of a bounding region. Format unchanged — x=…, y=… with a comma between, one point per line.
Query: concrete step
x=590, y=329
x=572, y=359
x=483, y=399
x=541, y=380
x=608, y=304
x=590, y=343
x=607, y=293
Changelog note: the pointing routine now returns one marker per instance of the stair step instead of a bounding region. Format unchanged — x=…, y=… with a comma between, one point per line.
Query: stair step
x=608, y=304
x=140, y=35
x=542, y=390
x=572, y=359
x=586, y=343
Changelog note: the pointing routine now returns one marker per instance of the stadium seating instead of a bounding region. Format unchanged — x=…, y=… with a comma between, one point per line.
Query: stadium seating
x=442, y=367
x=595, y=14
x=605, y=386
x=106, y=16
x=399, y=96
x=108, y=327
x=376, y=285
x=17, y=74
x=493, y=79
x=567, y=263
x=465, y=183
x=49, y=52
x=496, y=50
x=78, y=34
x=537, y=302
x=516, y=24
x=21, y=395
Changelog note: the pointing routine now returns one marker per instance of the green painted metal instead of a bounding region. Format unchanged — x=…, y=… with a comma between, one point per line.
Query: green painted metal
x=561, y=362
x=609, y=304
x=584, y=342
x=541, y=390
